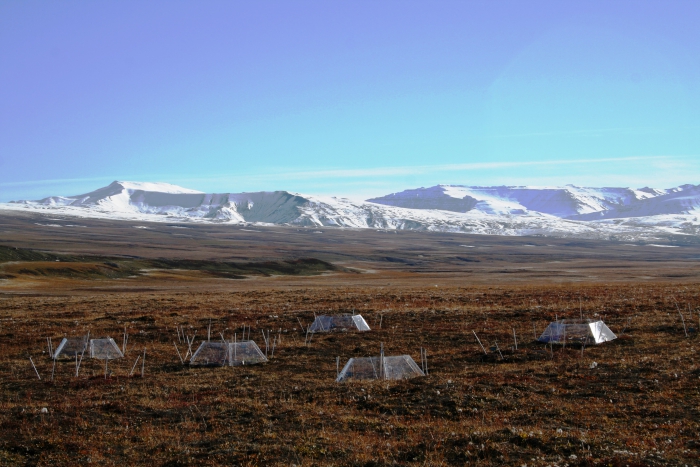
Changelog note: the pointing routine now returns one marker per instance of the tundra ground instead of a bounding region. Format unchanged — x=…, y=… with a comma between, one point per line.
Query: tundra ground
x=633, y=401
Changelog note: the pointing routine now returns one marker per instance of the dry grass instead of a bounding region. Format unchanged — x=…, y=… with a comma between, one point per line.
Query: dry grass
x=639, y=406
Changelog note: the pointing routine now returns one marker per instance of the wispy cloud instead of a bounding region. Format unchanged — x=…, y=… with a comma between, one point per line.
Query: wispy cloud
x=283, y=174
x=398, y=171
x=58, y=181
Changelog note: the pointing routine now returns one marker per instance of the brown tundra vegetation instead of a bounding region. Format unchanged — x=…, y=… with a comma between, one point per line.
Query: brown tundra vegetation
x=630, y=402
x=638, y=406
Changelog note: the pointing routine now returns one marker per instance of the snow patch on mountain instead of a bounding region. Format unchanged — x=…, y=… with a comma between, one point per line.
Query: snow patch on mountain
x=558, y=201
x=681, y=200
x=158, y=187
x=619, y=213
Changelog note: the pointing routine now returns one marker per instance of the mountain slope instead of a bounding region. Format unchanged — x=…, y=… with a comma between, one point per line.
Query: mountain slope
x=619, y=213
x=557, y=201
x=682, y=200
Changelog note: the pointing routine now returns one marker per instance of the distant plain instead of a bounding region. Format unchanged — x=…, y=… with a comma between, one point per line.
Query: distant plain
x=370, y=257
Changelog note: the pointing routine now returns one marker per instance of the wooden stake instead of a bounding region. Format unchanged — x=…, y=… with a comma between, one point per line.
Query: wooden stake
x=515, y=339
x=35, y=370
x=499, y=350
x=189, y=344
x=482, y=345
x=685, y=330
x=137, y=360
x=143, y=362
x=382, y=371
x=178, y=354
x=564, y=346
x=77, y=370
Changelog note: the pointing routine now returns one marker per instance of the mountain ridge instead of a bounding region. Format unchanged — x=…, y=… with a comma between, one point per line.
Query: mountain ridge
x=608, y=212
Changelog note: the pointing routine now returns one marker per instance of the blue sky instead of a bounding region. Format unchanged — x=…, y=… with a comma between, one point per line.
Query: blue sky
x=356, y=98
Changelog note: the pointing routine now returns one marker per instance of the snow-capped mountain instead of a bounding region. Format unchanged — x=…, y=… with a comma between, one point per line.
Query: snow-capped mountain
x=561, y=202
x=135, y=199
x=620, y=213
x=682, y=200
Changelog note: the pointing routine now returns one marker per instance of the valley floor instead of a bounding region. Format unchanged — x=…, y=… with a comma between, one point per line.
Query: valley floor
x=633, y=401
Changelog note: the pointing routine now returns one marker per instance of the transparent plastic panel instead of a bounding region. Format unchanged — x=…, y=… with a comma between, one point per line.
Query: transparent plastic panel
x=321, y=324
x=553, y=333
x=360, y=323
x=401, y=367
x=245, y=353
x=324, y=323
x=394, y=368
x=360, y=368
x=577, y=331
x=210, y=354
x=104, y=349
x=601, y=332
x=70, y=347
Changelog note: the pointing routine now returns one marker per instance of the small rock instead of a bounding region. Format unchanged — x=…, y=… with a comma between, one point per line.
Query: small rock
x=593, y=365
x=44, y=410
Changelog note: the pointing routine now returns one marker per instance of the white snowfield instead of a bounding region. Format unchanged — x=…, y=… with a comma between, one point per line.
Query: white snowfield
x=605, y=213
